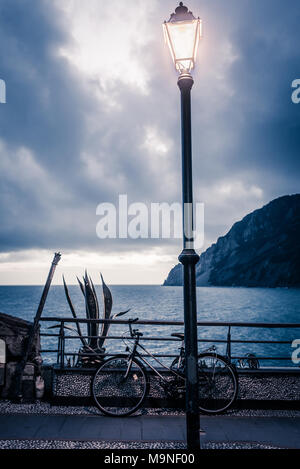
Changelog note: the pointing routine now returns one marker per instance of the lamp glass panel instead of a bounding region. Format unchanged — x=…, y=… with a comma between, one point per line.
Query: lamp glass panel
x=183, y=38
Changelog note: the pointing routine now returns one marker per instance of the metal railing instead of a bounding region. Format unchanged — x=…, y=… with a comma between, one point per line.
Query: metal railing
x=62, y=337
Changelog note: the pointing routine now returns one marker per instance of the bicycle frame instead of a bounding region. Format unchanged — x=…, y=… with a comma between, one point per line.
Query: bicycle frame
x=135, y=353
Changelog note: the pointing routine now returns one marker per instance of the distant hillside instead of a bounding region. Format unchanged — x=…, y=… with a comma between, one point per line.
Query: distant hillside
x=261, y=250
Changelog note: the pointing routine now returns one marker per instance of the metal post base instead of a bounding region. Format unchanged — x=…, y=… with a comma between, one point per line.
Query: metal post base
x=189, y=259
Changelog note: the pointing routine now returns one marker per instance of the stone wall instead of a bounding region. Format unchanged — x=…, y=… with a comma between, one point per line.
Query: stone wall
x=15, y=332
x=256, y=386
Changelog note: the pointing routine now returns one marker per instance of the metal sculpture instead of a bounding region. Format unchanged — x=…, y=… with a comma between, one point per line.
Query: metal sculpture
x=92, y=351
x=35, y=326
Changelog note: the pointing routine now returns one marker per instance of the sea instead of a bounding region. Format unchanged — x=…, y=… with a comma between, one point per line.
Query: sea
x=153, y=302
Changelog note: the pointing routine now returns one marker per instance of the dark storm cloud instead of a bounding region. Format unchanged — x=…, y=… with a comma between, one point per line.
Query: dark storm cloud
x=260, y=114
x=62, y=152
x=43, y=115
x=269, y=62
x=44, y=99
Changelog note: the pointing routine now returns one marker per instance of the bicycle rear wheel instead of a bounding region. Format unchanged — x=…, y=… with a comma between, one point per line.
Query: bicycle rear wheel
x=218, y=383
x=119, y=386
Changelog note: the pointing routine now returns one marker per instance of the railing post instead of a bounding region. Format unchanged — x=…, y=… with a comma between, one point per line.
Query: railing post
x=228, y=348
x=59, y=347
x=62, y=334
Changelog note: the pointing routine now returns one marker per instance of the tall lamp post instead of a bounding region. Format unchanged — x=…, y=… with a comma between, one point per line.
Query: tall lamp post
x=182, y=34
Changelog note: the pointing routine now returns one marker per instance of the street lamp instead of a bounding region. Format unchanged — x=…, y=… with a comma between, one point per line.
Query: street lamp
x=182, y=34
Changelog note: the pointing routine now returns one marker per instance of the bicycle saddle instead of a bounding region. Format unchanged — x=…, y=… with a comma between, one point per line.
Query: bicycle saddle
x=178, y=335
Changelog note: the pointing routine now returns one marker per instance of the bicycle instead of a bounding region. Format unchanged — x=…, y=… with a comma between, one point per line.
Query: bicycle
x=121, y=383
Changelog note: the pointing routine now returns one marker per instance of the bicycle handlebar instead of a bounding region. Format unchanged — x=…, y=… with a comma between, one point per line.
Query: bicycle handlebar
x=133, y=320
x=130, y=322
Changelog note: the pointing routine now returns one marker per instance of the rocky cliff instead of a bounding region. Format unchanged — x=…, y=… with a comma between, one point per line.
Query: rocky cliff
x=261, y=250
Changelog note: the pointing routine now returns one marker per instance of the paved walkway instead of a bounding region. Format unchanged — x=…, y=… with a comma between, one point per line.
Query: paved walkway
x=87, y=428
x=282, y=432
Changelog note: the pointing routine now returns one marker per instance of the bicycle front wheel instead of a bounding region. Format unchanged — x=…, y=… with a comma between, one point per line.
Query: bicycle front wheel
x=218, y=383
x=119, y=386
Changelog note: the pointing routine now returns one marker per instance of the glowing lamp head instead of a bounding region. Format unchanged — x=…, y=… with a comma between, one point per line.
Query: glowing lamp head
x=182, y=34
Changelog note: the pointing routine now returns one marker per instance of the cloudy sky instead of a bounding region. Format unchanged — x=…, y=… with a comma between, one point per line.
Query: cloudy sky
x=92, y=112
